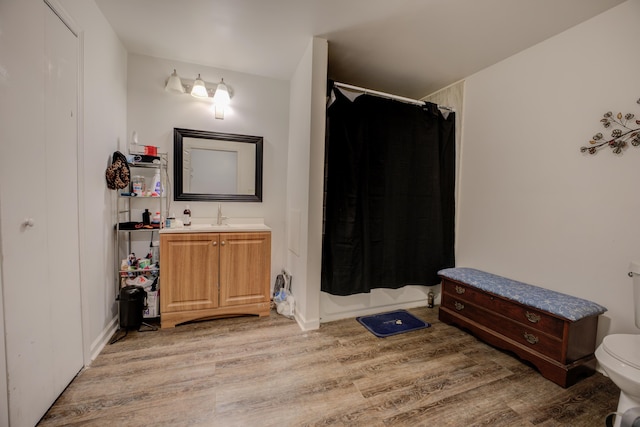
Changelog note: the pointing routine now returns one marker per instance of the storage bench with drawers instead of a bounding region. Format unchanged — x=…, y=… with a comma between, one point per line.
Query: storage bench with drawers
x=553, y=331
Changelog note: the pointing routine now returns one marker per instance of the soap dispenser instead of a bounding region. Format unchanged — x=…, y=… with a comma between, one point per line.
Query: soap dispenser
x=187, y=216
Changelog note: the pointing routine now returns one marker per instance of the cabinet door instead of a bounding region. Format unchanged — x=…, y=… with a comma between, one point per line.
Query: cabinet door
x=188, y=271
x=245, y=268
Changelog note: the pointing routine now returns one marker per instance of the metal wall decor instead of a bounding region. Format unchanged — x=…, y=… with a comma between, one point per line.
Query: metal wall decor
x=622, y=134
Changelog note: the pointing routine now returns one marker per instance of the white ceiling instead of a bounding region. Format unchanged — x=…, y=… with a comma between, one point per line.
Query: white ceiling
x=406, y=47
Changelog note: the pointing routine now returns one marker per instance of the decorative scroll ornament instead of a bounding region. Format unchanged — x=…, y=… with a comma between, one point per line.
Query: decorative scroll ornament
x=622, y=134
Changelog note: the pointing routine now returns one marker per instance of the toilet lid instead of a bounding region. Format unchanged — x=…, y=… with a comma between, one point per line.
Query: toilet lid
x=624, y=347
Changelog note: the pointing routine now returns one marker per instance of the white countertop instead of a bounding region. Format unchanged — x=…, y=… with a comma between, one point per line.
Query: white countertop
x=231, y=225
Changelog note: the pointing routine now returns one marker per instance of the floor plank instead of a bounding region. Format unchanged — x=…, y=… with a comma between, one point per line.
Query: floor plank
x=250, y=371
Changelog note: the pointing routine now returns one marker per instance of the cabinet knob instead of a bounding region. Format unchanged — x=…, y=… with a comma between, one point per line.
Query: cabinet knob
x=459, y=290
x=214, y=243
x=458, y=305
x=222, y=243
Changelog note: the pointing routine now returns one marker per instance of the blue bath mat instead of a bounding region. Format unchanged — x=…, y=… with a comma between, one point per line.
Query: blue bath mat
x=391, y=323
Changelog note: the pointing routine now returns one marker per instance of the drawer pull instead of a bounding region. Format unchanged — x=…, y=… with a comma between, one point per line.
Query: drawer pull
x=531, y=339
x=532, y=317
x=458, y=305
x=460, y=290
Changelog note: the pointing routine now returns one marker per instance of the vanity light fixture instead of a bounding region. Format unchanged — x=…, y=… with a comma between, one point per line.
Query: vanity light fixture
x=202, y=90
x=174, y=84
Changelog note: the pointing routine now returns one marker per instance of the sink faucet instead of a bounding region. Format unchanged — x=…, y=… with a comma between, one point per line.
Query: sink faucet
x=220, y=217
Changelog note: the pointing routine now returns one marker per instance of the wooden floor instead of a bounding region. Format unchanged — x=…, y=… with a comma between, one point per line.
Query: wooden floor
x=253, y=371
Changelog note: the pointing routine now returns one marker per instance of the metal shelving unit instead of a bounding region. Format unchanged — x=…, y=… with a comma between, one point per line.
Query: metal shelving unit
x=129, y=230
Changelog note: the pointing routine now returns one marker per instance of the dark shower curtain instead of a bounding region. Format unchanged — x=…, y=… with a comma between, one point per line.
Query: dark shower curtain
x=389, y=188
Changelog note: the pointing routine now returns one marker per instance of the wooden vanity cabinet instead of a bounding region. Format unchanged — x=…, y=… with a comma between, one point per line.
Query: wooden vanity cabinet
x=207, y=275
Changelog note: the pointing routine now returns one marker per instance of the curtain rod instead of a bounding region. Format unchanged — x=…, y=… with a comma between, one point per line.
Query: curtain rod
x=386, y=95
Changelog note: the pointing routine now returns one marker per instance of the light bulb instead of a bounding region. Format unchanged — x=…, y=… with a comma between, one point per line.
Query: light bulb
x=199, y=90
x=221, y=97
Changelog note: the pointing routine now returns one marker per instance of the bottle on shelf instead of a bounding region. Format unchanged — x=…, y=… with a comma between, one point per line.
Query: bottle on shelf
x=187, y=217
x=157, y=183
x=146, y=217
x=138, y=185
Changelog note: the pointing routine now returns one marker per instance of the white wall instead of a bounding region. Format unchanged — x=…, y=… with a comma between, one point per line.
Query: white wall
x=260, y=107
x=532, y=207
x=305, y=180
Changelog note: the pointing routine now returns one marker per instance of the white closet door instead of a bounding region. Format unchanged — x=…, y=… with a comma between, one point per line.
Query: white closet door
x=61, y=189
x=41, y=285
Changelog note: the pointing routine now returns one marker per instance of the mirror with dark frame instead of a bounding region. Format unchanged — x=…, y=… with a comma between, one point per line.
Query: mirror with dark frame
x=216, y=166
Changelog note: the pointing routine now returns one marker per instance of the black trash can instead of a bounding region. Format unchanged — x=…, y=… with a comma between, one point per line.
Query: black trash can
x=132, y=304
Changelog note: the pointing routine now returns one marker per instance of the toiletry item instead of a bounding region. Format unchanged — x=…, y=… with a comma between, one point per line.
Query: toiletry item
x=157, y=183
x=146, y=217
x=156, y=218
x=171, y=221
x=187, y=216
x=138, y=185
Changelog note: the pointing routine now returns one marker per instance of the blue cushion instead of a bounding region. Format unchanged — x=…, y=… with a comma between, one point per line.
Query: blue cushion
x=557, y=303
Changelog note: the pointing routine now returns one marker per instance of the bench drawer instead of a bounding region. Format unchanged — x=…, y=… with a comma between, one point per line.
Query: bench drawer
x=528, y=316
x=534, y=339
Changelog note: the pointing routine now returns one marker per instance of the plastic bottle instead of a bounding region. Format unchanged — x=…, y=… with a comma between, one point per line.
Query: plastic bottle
x=157, y=183
x=146, y=217
x=187, y=216
x=156, y=218
x=170, y=222
x=138, y=185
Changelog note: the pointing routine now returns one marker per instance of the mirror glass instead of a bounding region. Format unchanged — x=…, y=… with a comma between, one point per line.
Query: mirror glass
x=217, y=166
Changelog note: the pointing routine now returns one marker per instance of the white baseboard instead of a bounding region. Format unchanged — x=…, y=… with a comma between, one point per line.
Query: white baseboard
x=98, y=344
x=306, y=325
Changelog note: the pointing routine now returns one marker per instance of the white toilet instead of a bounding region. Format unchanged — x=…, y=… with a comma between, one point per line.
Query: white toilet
x=619, y=356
